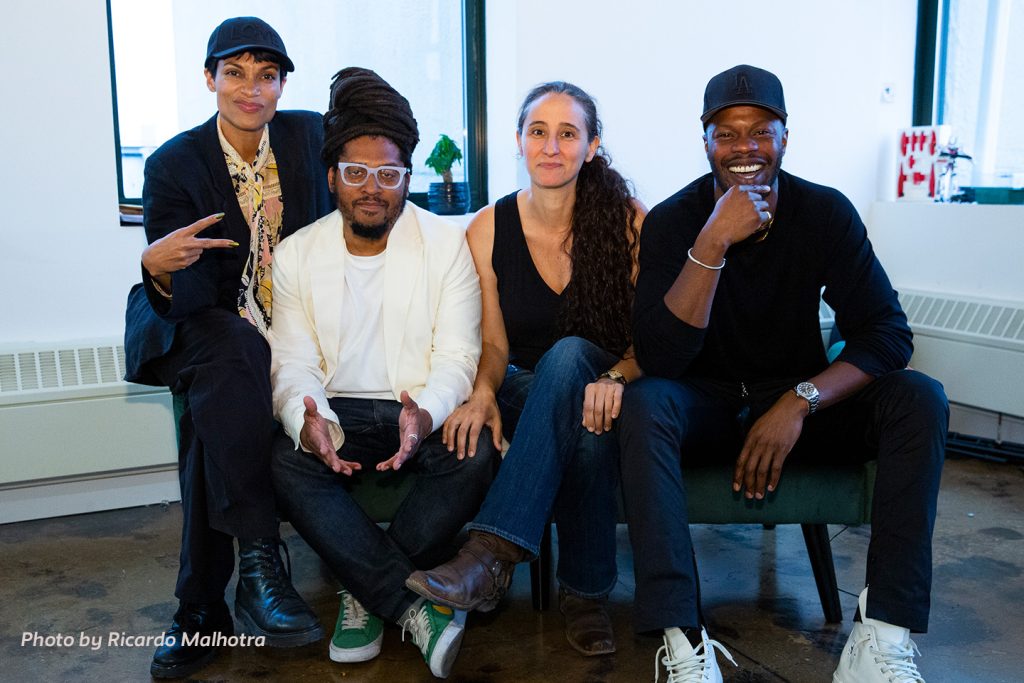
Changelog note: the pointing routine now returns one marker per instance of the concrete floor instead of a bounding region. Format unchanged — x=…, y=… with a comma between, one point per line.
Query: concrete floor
x=114, y=571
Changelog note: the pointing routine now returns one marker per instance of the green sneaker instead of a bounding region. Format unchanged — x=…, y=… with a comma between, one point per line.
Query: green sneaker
x=358, y=634
x=437, y=631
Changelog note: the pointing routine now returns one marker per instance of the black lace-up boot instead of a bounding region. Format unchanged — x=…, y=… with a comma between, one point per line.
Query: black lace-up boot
x=180, y=656
x=266, y=603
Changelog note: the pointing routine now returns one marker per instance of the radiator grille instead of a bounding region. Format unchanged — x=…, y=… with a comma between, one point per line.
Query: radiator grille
x=61, y=368
x=991, y=322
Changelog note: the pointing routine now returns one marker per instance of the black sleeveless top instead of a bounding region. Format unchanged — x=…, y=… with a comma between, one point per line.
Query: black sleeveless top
x=529, y=307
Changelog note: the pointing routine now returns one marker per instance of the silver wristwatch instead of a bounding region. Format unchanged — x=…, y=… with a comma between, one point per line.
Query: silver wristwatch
x=809, y=393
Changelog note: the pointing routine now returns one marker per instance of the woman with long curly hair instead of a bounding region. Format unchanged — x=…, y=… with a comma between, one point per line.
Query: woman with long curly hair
x=557, y=263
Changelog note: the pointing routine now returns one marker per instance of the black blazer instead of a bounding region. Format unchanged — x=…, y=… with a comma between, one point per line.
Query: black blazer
x=187, y=179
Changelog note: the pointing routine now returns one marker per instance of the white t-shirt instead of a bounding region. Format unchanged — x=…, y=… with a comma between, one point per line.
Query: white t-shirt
x=362, y=368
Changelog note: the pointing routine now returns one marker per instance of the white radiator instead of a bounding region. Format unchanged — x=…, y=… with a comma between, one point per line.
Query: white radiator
x=75, y=438
x=975, y=347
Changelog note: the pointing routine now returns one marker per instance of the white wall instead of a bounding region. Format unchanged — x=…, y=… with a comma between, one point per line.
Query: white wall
x=65, y=263
x=971, y=250
x=647, y=62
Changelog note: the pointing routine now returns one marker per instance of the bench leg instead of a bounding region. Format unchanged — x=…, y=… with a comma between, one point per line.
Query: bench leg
x=820, y=553
x=540, y=574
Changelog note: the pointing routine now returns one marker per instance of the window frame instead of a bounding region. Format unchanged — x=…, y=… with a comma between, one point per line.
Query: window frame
x=474, y=72
x=928, y=60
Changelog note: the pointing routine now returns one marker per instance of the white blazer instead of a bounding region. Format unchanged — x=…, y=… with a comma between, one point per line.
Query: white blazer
x=431, y=316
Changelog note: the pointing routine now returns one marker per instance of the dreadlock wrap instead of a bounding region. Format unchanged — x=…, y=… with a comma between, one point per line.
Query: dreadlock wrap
x=362, y=103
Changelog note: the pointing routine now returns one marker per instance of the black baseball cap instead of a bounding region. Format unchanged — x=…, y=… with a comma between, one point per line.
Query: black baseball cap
x=744, y=84
x=246, y=34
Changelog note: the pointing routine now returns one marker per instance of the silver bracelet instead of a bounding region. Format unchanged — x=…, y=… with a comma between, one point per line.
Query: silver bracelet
x=689, y=255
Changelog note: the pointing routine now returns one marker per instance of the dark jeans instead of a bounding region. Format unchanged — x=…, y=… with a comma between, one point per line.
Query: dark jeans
x=901, y=419
x=555, y=467
x=221, y=364
x=370, y=562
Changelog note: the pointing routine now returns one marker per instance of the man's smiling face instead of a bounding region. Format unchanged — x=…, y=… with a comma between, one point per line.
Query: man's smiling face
x=745, y=146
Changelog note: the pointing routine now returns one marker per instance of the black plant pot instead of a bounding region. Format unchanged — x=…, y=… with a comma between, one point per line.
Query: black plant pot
x=448, y=199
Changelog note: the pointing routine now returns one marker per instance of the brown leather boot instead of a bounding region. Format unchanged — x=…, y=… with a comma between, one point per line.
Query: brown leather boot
x=588, y=627
x=475, y=579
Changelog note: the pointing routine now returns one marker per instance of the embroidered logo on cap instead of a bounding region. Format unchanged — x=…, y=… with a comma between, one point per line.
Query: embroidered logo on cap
x=743, y=88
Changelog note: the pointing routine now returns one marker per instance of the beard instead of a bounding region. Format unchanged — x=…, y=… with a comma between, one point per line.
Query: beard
x=371, y=231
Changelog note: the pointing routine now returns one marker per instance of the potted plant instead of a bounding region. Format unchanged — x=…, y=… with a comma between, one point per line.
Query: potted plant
x=447, y=197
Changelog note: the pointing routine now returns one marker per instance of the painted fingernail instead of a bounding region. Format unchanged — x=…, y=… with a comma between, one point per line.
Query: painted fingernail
x=218, y=216
x=234, y=243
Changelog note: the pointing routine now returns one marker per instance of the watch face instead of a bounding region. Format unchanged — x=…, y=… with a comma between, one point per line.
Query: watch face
x=806, y=390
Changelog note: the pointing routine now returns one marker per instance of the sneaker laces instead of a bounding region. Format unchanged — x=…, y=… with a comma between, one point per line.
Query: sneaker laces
x=356, y=615
x=682, y=668
x=898, y=662
x=419, y=627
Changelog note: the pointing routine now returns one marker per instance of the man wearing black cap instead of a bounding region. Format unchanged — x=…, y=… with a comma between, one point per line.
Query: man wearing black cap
x=376, y=340
x=239, y=183
x=726, y=329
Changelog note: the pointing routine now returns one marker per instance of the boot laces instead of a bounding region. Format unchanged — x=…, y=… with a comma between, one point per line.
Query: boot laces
x=687, y=669
x=355, y=614
x=269, y=555
x=276, y=586
x=897, y=662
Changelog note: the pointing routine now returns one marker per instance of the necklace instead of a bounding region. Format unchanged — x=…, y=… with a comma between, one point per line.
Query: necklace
x=764, y=229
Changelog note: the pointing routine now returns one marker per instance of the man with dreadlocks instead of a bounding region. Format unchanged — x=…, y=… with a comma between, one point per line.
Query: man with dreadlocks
x=375, y=341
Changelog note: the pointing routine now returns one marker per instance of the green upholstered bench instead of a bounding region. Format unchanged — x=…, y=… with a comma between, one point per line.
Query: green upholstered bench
x=811, y=496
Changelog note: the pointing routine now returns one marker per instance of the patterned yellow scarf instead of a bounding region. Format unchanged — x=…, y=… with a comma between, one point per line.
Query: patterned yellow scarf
x=258, y=190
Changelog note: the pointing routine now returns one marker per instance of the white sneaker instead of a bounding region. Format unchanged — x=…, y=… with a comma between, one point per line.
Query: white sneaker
x=877, y=652
x=684, y=664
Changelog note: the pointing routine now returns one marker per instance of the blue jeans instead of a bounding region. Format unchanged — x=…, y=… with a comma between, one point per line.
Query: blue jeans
x=555, y=467
x=370, y=562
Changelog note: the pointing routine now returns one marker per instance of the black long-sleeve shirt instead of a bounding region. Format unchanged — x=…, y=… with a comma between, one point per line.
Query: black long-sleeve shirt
x=764, y=318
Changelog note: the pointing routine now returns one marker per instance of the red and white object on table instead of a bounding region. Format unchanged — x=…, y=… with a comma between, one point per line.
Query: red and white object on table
x=919, y=165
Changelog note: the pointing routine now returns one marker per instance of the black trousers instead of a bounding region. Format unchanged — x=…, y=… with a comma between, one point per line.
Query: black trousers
x=221, y=364
x=370, y=562
x=900, y=418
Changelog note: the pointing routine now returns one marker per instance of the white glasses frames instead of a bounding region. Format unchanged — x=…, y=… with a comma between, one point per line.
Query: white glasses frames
x=356, y=175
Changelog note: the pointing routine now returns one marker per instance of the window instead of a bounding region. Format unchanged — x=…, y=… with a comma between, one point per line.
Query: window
x=970, y=57
x=431, y=51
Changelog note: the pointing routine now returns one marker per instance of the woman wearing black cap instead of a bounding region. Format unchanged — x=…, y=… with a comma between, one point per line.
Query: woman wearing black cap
x=197, y=324
x=557, y=262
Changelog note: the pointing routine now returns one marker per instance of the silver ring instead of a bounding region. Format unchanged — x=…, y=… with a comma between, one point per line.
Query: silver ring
x=414, y=437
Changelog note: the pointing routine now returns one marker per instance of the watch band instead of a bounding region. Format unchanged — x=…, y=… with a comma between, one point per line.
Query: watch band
x=809, y=393
x=613, y=375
